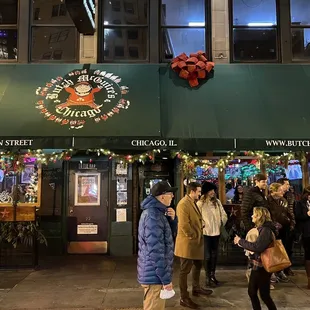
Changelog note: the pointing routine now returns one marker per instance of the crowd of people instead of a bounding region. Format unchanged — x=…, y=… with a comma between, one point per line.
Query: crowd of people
x=198, y=222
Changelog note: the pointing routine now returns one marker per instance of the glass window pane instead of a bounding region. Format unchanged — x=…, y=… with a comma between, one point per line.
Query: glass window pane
x=124, y=12
x=54, y=43
x=300, y=12
x=254, y=12
x=183, y=12
x=8, y=12
x=187, y=40
x=50, y=12
x=125, y=43
x=255, y=44
x=301, y=43
x=8, y=44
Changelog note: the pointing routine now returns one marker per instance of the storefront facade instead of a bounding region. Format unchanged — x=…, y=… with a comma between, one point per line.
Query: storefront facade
x=99, y=114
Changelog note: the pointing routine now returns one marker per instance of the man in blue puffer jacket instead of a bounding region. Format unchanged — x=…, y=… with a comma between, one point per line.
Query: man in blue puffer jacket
x=156, y=247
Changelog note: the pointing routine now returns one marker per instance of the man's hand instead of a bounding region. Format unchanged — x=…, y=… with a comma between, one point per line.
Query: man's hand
x=308, y=213
x=171, y=213
x=236, y=240
x=168, y=287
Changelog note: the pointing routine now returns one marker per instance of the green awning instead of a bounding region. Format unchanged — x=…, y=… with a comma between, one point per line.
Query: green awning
x=65, y=101
x=113, y=106
x=242, y=102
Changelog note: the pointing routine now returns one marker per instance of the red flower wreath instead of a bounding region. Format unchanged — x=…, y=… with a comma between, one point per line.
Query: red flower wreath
x=192, y=68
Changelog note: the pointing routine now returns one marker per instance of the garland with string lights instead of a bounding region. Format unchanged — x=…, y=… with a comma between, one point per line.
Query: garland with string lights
x=13, y=161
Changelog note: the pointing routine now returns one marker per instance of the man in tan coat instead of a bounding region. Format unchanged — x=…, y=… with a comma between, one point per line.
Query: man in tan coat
x=189, y=244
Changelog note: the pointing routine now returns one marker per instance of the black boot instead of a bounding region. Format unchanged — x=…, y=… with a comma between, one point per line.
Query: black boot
x=209, y=283
x=213, y=268
x=214, y=280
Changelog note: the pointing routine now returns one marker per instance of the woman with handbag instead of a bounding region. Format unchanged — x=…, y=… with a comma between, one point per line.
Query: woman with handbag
x=302, y=215
x=259, y=278
x=215, y=218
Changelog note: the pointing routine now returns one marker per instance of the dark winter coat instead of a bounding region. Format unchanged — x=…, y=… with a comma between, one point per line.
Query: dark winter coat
x=155, y=238
x=290, y=198
x=265, y=238
x=253, y=197
x=302, y=218
x=280, y=212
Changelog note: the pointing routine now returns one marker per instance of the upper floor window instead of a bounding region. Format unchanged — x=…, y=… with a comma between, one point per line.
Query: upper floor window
x=8, y=30
x=184, y=27
x=300, y=29
x=254, y=26
x=53, y=34
x=124, y=34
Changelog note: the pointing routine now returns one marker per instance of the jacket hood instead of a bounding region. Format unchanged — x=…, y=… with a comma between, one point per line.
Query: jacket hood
x=151, y=202
x=271, y=226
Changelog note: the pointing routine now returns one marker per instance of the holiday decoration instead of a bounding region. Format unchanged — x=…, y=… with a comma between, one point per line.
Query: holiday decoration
x=31, y=194
x=189, y=162
x=193, y=67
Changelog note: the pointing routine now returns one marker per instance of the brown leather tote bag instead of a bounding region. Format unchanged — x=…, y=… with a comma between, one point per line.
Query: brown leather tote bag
x=275, y=258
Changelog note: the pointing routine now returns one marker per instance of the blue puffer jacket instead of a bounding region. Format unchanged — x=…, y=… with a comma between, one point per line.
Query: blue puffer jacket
x=155, y=257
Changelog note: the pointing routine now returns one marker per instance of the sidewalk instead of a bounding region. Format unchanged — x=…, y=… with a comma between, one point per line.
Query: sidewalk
x=98, y=282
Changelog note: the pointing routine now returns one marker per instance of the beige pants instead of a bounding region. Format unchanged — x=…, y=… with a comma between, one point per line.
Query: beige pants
x=151, y=299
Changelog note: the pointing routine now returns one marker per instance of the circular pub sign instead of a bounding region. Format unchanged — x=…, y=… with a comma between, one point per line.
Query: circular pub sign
x=82, y=96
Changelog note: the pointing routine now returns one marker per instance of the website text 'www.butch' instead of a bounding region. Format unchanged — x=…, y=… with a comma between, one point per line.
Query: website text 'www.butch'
x=288, y=143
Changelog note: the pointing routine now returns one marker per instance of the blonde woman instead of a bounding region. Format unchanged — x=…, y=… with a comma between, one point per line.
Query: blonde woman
x=214, y=216
x=259, y=278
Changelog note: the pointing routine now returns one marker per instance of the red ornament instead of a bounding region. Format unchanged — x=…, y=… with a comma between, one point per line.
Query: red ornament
x=192, y=68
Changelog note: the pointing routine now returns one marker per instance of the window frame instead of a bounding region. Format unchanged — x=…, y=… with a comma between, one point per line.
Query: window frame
x=33, y=24
x=291, y=27
x=102, y=27
x=207, y=27
x=277, y=27
x=13, y=27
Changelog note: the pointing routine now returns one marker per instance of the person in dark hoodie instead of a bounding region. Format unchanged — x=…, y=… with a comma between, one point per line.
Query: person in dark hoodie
x=155, y=237
x=254, y=197
x=259, y=278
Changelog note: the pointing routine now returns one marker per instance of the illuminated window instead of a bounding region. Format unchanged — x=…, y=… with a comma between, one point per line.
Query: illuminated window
x=124, y=23
x=8, y=30
x=300, y=29
x=184, y=27
x=254, y=31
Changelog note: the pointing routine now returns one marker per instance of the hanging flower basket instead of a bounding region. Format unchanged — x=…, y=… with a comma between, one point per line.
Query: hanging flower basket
x=192, y=68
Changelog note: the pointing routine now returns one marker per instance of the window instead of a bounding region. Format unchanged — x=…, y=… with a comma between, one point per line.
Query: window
x=184, y=27
x=124, y=23
x=59, y=10
x=8, y=30
x=129, y=8
x=133, y=52
x=36, y=14
x=254, y=31
x=53, y=34
x=300, y=29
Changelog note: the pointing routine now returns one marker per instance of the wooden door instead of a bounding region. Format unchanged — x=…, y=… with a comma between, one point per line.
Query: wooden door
x=88, y=224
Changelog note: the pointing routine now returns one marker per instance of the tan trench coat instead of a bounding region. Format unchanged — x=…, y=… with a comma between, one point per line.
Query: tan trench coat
x=189, y=241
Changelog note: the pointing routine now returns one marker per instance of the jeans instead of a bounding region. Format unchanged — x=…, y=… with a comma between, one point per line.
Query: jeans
x=211, y=245
x=186, y=265
x=260, y=281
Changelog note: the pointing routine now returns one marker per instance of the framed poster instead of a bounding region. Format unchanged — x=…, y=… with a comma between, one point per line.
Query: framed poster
x=87, y=189
x=26, y=174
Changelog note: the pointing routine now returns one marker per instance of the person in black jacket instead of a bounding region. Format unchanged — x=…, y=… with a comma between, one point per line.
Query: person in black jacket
x=254, y=197
x=259, y=278
x=302, y=214
x=289, y=240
